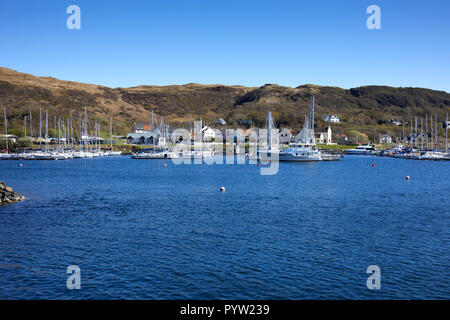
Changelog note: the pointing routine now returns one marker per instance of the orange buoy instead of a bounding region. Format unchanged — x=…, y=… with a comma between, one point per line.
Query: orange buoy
x=222, y=189
x=408, y=178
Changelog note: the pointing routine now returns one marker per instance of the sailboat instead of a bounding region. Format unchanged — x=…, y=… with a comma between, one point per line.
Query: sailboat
x=112, y=153
x=305, y=149
x=46, y=155
x=7, y=155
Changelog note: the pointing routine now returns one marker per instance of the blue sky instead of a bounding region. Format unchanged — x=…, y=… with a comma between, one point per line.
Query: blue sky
x=246, y=42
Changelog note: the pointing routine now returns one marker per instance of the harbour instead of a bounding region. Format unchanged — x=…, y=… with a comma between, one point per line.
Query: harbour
x=142, y=230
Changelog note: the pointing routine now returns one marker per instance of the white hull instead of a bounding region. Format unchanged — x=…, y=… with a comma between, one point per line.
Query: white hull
x=299, y=157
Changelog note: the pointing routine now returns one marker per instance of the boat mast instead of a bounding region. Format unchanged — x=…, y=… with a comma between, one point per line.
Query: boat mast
x=446, y=134
x=415, y=131
x=54, y=133
x=435, y=129
x=6, y=130
x=426, y=127
x=40, y=129
x=25, y=127
x=110, y=133
x=153, y=123
x=86, y=130
x=71, y=129
x=46, y=130
x=432, y=131
x=96, y=137
x=80, y=133
x=421, y=133
x=31, y=129
x=59, y=133
x=312, y=116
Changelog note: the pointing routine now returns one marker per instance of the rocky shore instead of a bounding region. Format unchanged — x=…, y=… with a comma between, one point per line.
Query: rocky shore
x=7, y=194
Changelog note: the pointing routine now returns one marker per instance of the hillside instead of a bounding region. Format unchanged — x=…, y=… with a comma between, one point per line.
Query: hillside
x=360, y=108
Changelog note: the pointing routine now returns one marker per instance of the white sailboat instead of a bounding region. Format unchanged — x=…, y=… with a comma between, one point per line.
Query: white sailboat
x=112, y=152
x=305, y=150
x=7, y=155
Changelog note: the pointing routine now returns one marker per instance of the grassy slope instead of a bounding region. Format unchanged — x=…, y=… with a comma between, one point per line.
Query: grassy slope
x=361, y=109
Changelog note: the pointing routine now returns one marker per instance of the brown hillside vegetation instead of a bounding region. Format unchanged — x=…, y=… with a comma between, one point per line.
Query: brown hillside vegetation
x=360, y=108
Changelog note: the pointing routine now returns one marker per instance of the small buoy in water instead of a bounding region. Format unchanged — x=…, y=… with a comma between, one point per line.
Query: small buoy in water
x=258, y=164
x=373, y=165
x=408, y=178
x=165, y=165
x=20, y=165
x=222, y=189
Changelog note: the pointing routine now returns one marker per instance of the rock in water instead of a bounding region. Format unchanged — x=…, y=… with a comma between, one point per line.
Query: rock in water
x=7, y=194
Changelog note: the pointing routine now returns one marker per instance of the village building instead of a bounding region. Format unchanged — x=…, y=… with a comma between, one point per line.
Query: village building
x=331, y=118
x=395, y=122
x=324, y=136
x=150, y=138
x=140, y=127
x=385, y=138
x=285, y=136
x=208, y=134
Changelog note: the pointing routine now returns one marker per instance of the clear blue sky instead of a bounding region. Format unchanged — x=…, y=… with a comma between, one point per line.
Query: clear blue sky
x=128, y=43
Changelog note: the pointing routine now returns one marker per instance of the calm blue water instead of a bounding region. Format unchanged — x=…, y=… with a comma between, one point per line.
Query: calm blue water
x=139, y=230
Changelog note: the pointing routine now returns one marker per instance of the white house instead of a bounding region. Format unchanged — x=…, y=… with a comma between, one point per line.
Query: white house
x=208, y=134
x=150, y=138
x=395, y=121
x=324, y=136
x=331, y=118
x=285, y=136
x=385, y=138
x=140, y=127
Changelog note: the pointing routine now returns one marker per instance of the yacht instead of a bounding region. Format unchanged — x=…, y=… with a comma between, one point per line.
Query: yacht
x=5, y=156
x=79, y=155
x=365, y=149
x=305, y=149
x=300, y=152
x=154, y=155
x=430, y=155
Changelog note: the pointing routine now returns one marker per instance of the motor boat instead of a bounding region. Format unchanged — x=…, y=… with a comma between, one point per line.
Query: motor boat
x=364, y=149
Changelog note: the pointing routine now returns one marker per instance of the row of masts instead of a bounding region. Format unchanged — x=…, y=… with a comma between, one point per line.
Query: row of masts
x=161, y=128
x=427, y=136
x=63, y=134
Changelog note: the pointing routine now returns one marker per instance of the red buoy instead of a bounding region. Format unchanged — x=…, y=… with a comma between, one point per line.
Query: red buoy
x=258, y=164
x=408, y=178
x=20, y=165
x=373, y=165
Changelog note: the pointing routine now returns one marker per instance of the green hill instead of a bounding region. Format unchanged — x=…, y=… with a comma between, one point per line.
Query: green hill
x=364, y=108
